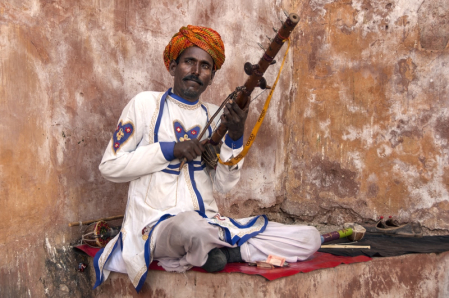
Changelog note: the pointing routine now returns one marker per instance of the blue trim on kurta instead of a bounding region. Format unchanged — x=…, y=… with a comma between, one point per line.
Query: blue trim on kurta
x=209, y=129
x=192, y=180
x=236, y=239
x=175, y=166
x=171, y=172
x=176, y=170
x=180, y=99
x=159, y=117
x=167, y=150
x=233, y=144
x=203, y=215
x=97, y=268
x=239, y=240
x=249, y=224
x=100, y=275
x=147, y=251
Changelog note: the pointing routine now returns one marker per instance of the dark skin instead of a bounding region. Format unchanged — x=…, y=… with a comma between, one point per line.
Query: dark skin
x=192, y=75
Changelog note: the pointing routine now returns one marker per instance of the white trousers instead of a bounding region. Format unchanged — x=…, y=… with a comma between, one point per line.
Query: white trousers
x=184, y=241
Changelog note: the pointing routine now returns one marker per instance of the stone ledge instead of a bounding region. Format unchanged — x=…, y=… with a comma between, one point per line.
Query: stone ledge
x=414, y=275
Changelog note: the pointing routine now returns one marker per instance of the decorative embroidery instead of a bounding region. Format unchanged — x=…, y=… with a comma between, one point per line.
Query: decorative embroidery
x=122, y=134
x=256, y=227
x=189, y=186
x=144, y=269
x=139, y=275
x=183, y=135
x=224, y=222
x=185, y=106
x=152, y=245
x=104, y=256
x=221, y=234
x=154, y=118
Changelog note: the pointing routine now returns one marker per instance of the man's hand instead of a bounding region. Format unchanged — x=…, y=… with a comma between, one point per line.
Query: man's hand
x=189, y=149
x=234, y=118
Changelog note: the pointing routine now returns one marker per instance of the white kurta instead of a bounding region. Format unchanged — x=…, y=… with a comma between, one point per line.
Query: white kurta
x=141, y=151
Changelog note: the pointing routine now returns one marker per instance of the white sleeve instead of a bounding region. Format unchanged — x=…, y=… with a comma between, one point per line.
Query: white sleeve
x=226, y=177
x=125, y=159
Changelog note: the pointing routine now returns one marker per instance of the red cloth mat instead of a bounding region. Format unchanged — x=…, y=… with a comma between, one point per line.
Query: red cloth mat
x=318, y=260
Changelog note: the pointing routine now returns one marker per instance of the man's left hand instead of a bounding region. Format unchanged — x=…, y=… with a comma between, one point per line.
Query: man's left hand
x=234, y=118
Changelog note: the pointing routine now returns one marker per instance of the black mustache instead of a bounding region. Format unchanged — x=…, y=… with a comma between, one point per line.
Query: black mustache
x=194, y=78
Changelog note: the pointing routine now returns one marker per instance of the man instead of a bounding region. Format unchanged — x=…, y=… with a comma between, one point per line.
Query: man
x=171, y=214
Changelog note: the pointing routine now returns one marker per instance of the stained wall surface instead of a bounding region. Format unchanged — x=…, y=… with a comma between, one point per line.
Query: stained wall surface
x=358, y=126
x=368, y=134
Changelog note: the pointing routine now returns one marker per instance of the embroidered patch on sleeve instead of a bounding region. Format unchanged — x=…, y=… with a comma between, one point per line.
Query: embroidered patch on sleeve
x=182, y=134
x=121, y=135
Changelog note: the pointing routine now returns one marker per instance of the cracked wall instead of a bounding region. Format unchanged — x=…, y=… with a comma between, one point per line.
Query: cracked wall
x=357, y=128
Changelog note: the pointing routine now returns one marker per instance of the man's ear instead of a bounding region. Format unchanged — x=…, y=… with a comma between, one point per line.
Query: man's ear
x=172, y=67
x=212, y=77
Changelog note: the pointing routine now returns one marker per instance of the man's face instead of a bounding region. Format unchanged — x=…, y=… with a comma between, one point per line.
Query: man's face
x=192, y=74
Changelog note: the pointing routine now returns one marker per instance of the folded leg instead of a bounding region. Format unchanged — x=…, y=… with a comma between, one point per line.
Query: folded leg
x=293, y=242
x=184, y=241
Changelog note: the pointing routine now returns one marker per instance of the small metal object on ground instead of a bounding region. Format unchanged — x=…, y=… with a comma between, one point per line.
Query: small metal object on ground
x=265, y=265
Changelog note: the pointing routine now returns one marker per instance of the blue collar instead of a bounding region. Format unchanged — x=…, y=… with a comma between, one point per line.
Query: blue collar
x=180, y=99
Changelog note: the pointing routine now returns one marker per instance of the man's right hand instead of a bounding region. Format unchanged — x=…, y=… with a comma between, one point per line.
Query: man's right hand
x=190, y=149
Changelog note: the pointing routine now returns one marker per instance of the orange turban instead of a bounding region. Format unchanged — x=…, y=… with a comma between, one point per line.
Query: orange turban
x=205, y=38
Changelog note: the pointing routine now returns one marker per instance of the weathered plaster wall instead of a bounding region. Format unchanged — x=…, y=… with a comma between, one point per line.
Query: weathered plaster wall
x=369, y=130
x=357, y=127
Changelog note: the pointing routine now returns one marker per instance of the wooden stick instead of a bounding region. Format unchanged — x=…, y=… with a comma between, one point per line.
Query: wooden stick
x=344, y=246
x=72, y=224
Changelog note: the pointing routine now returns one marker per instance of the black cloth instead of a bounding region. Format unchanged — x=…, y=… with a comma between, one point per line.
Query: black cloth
x=388, y=246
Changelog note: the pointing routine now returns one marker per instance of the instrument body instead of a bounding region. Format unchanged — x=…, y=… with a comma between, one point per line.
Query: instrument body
x=98, y=234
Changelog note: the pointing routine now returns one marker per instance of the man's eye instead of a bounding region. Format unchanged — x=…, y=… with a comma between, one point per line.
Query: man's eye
x=206, y=66
x=189, y=61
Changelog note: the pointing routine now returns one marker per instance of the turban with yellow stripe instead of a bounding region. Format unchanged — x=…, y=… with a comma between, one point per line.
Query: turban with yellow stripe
x=205, y=38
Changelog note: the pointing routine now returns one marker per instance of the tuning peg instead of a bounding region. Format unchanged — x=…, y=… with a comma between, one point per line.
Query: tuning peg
x=273, y=62
x=280, y=20
x=275, y=30
x=261, y=46
x=250, y=68
x=270, y=39
x=262, y=84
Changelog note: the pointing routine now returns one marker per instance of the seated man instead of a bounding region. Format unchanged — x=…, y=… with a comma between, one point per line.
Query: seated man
x=171, y=215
